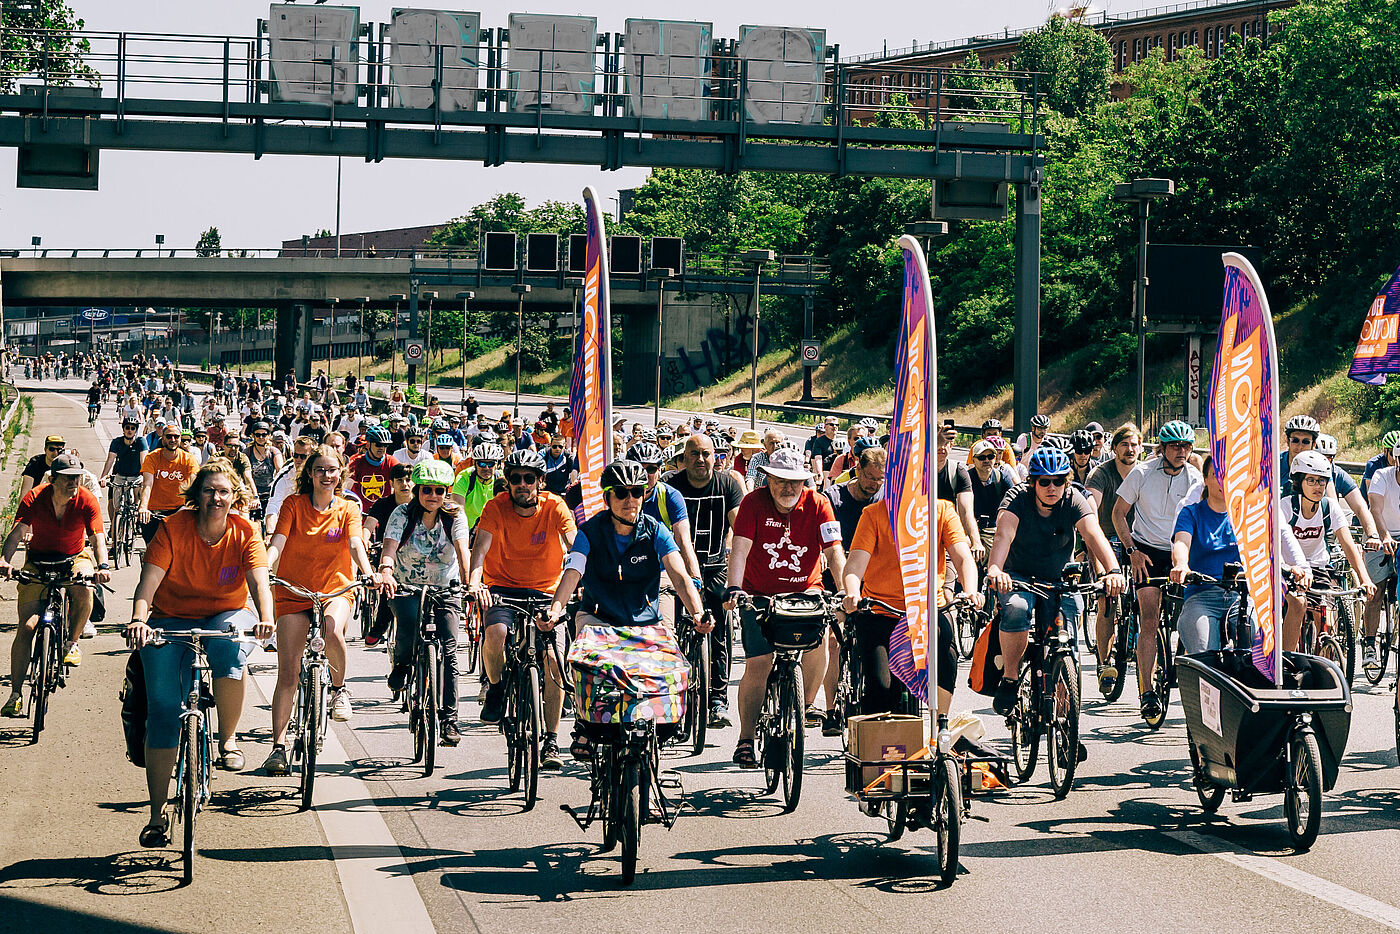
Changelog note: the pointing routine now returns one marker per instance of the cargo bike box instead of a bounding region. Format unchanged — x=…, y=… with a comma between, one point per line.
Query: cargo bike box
x=628, y=673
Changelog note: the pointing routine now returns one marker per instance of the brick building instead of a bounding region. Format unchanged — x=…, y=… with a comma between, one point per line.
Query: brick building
x=399, y=241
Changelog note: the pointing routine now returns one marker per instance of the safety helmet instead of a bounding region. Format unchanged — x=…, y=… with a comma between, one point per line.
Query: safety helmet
x=1176, y=431
x=623, y=473
x=444, y=441
x=529, y=459
x=1303, y=423
x=440, y=424
x=645, y=452
x=1058, y=442
x=864, y=444
x=1048, y=462
x=839, y=445
x=432, y=473
x=1081, y=441
x=414, y=433
x=991, y=423
x=1326, y=446
x=787, y=443
x=869, y=424
x=720, y=442
x=1310, y=464
x=1040, y=421
x=487, y=451
x=376, y=435
x=1390, y=440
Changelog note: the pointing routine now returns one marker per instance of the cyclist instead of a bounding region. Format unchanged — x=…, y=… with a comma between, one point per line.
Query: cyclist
x=369, y=470
x=1302, y=432
x=991, y=429
x=285, y=482
x=94, y=400
x=37, y=467
x=203, y=565
x=518, y=551
x=164, y=474
x=1035, y=539
x=425, y=545
x=317, y=545
x=1027, y=443
x=991, y=479
x=1155, y=490
x=560, y=467
x=264, y=461
x=123, y=463
x=1103, y=484
x=873, y=571
x=233, y=453
x=474, y=488
x=60, y=518
x=618, y=557
x=754, y=472
x=955, y=484
x=1081, y=459
x=400, y=492
x=780, y=533
x=413, y=453
x=1386, y=458
x=664, y=504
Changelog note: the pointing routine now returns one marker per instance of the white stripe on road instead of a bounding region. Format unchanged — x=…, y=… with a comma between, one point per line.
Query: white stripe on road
x=379, y=891
x=1305, y=882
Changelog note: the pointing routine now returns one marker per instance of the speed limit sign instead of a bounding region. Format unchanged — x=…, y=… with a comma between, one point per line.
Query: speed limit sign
x=811, y=353
x=413, y=351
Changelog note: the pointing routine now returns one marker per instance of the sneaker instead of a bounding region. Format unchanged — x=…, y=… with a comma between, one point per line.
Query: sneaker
x=398, y=677
x=89, y=630
x=831, y=723
x=74, y=658
x=813, y=716
x=276, y=762
x=14, y=707
x=1151, y=706
x=481, y=694
x=719, y=717
x=1004, y=701
x=1368, y=655
x=1108, y=679
x=550, y=760
x=493, y=708
x=451, y=733
x=340, y=704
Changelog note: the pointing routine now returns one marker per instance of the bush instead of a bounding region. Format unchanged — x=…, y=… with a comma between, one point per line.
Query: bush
x=384, y=350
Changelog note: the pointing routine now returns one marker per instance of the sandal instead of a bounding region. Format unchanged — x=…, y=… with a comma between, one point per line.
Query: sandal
x=581, y=748
x=231, y=760
x=156, y=836
x=743, y=755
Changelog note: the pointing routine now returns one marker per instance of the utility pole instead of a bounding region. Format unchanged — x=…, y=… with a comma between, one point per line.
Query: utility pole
x=520, y=290
x=758, y=258
x=464, y=297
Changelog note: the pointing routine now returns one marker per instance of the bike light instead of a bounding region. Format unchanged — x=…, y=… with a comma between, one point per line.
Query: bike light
x=317, y=644
x=1063, y=637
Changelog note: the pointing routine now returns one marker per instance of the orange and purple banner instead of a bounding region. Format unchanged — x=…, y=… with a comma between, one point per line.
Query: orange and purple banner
x=1243, y=423
x=590, y=390
x=909, y=474
x=1378, y=350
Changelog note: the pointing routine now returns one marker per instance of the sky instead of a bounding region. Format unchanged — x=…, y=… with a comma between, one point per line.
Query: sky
x=257, y=204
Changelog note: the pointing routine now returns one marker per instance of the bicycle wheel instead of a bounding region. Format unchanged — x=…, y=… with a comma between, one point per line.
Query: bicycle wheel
x=629, y=829
x=947, y=818
x=1025, y=733
x=414, y=694
x=1302, y=799
x=1209, y=793
x=1118, y=654
x=512, y=725
x=605, y=785
x=1329, y=648
x=768, y=748
x=1161, y=681
x=472, y=638
x=310, y=732
x=368, y=609
x=848, y=686
x=1376, y=671
x=961, y=642
x=189, y=788
x=530, y=736
x=1346, y=638
x=699, y=713
x=794, y=733
x=1062, y=732
x=41, y=669
x=428, y=707
x=1089, y=623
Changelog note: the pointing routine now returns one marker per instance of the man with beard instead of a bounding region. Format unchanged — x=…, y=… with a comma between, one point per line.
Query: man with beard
x=164, y=473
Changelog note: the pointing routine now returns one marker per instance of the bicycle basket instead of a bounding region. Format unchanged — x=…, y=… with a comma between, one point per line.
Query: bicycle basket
x=794, y=621
x=628, y=673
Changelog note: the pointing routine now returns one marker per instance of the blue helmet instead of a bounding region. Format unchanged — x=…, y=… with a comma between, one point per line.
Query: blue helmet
x=377, y=435
x=1176, y=431
x=1048, y=462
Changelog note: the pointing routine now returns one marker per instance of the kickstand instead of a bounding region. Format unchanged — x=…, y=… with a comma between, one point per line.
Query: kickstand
x=587, y=818
x=669, y=815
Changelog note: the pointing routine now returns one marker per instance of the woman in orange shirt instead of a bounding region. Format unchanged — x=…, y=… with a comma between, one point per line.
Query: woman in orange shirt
x=317, y=545
x=198, y=572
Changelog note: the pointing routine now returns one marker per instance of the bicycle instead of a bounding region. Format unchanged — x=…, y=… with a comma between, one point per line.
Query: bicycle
x=47, y=669
x=94, y=409
x=423, y=694
x=196, y=750
x=311, y=712
x=1327, y=627
x=1047, y=686
x=793, y=624
x=1168, y=644
x=472, y=629
x=127, y=491
x=523, y=722
x=367, y=601
x=1386, y=633
x=696, y=648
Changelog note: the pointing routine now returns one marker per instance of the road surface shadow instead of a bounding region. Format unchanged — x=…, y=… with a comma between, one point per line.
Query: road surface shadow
x=22, y=915
x=15, y=737
x=138, y=872
x=257, y=801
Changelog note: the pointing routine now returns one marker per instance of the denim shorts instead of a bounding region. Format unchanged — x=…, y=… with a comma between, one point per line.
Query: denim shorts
x=1015, y=608
x=168, y=666
x=1198, y=623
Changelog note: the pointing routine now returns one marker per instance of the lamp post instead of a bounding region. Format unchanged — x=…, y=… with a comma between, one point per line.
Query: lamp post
x=427, y=344
x=160, y=242
x=758, y=258
x=213, y=326
x=464, y=297
x=1142, y=191
x=363, y=300
x=330, y=341
x=394, y=355
x=575, y=283
x=520, y=290
x=660, y=276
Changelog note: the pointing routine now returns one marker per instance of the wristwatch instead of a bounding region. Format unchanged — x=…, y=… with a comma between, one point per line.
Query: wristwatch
x=104, y=566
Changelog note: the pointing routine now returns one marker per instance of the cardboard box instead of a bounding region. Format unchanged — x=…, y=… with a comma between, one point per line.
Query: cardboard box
x=884, y=736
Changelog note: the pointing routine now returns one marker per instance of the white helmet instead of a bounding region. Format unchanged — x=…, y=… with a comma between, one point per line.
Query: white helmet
x=1326, y=446
x=1303, y=423
x=1310, y=464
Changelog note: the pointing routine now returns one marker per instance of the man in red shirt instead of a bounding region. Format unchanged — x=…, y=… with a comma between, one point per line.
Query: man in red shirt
x=369, y=470
x=59, y=517
x=781, y=533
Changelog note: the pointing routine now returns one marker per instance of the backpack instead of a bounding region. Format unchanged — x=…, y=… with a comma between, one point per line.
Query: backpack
x=133, y=700
x=987, y=670
x=415, y=515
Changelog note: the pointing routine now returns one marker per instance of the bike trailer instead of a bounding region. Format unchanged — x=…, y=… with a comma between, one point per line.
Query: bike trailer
x=1237, y=722
x=794, y=620
x=628, y=673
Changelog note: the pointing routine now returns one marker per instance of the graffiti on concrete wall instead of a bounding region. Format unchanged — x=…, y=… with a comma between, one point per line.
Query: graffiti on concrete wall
x=719, y=352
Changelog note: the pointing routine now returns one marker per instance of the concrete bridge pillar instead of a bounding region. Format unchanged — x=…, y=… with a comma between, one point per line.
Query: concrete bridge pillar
x=291, y=349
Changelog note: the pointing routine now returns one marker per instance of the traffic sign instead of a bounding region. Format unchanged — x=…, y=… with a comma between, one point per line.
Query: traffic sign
x=413, y=352
x=95, y=314
x=811, y=353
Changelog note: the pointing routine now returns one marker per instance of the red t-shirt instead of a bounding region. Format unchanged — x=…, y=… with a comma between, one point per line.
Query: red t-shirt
x=787, y=549
x=51, y=536
x=371, y=481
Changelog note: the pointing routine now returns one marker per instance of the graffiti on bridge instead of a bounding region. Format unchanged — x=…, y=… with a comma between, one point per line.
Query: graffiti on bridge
x=720, y=351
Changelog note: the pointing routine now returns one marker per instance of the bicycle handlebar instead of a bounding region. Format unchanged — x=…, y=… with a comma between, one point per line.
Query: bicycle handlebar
x=318, y=597
x=29, y=577
x=233, y=634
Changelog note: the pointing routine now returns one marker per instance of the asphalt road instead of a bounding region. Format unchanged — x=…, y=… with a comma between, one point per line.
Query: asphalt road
x=387, y=849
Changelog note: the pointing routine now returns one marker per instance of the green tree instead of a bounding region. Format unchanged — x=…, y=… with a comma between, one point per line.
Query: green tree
x=39, y=42
x=1076, y=63
x=208, y=243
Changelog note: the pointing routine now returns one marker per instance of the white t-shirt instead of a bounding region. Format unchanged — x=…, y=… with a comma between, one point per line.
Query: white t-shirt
x=1385, y=485
x=402, y=455
x=1311, y=533
x=1156, y=497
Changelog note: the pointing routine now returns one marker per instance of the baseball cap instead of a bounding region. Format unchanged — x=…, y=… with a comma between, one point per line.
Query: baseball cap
x=66, y=465
x=786, y=464
x=982, y=447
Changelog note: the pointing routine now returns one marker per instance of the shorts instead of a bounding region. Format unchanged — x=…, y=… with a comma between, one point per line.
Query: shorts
x=1015, y=607
x=34, y=593
x=501, y=615
x=168, y=666
x=284, y=603
x=1159, y=561
x=1380, y=567
x=1198, y=624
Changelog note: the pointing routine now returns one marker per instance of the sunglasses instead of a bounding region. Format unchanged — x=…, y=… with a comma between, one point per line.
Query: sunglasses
x=1303, y=440
x=521, y=479
x=433, y=490
x=261, y=434
x=172, y=437
x=53, y=447
x=986, y=457
x=628, y=492
x=1051, y=481
x=652, y=468
x=487, y=464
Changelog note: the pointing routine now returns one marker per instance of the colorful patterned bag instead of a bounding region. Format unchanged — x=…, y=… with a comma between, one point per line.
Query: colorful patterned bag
x=621, y=672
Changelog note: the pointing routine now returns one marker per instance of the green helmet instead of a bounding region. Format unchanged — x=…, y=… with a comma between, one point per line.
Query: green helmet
x=1176, y=430
x=1390, y=440
x=432, y=473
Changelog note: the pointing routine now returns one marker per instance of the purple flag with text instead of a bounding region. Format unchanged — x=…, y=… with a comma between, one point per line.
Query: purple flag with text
x=590, y=390
x=1378, y=350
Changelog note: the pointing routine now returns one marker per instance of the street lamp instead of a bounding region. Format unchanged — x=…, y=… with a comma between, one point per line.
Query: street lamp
x=464, y=297
x=1142, y=191
x=394, y=355
x=660, y=275
x=213, y=326
x=758, y=258
x=360, y=344
x=575, y=283
x=427, y=344
x=160, y=242
x=330, y=340
x=520, y=290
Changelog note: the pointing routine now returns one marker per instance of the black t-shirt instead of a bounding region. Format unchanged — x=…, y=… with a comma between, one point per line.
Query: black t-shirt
x=36, y=468
x=318, y=432
x=1043, y=544
x=822, y=447
x=551, y=421
x=94, y=394
x=986, y=498
x=380, y=511
x=950, y=486
x=847, y=509
x=472, y=407
x=709, y=507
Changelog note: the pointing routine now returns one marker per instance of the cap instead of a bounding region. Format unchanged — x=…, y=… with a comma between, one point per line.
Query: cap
x=130, y=421
x=786, y=464
x=749, y=440
x=829, y=420
x=66, y=465
x=279, y=435
x=1094, y=428
x=982, y=446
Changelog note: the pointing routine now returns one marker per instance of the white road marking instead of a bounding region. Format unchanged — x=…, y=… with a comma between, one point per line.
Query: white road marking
x=1305, y=882
x=379, y=891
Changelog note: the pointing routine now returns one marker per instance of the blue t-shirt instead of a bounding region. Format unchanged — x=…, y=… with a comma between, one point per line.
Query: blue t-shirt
x=1372, y=465
x=665, y=543
x=1213, y=543
x=675, y=505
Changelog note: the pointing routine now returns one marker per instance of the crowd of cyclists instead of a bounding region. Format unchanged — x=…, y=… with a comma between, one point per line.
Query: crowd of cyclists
x=257, y=492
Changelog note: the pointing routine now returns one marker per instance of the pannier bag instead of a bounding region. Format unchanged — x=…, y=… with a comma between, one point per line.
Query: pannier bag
x=133, y=698
x=794, y=621
x=986, y=671
x=628, y=673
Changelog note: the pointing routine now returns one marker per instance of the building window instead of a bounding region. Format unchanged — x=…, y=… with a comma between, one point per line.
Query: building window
x=1196, y=38
x=1137, y=50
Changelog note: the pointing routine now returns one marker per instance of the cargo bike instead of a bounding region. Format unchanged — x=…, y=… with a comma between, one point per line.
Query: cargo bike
x=1249, y=736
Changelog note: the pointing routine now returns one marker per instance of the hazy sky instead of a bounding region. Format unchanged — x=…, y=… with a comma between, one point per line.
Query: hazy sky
x=260, y=203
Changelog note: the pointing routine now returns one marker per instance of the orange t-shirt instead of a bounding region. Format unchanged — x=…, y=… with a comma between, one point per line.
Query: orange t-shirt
x=317, y=551
x=526, y=551
x=169, y=477
x=566, y=428
x=874, y=536
x=207, y=579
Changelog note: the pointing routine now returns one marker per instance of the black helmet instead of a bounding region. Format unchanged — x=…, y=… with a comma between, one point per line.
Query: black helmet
x=623, y=473
x=991, y=423
x=1040, y=421
x=1082, y=442
x=529, y=458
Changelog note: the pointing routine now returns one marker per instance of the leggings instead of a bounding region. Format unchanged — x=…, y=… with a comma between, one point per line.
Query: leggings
x=406, y=640
x=882, y=690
